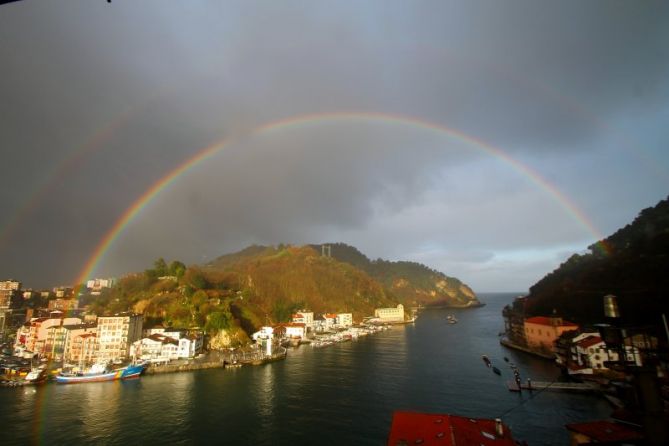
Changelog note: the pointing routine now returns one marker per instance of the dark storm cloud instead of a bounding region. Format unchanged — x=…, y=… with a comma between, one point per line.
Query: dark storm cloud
x=531, y=77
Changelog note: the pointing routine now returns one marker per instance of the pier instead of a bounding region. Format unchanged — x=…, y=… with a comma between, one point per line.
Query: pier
x=558, y=386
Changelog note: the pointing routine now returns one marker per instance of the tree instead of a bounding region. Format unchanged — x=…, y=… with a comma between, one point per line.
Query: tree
x=177, y=269
x=160, y=267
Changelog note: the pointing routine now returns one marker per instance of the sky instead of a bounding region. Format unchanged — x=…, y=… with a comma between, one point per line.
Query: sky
x=489, y=140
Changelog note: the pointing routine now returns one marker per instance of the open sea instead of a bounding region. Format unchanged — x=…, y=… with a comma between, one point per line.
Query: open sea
x=343, y=394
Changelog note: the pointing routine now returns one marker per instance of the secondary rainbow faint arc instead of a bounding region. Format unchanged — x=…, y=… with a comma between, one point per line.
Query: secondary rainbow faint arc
x=214, y=148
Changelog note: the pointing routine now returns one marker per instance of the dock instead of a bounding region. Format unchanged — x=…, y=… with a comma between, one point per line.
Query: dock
x=557, y=386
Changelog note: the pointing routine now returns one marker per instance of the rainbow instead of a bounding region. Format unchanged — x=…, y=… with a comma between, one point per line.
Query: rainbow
x=295, y=121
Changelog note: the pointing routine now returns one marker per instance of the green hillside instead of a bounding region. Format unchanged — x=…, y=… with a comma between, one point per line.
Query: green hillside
x=233, y=295
x=412, y=283
x=632, y=264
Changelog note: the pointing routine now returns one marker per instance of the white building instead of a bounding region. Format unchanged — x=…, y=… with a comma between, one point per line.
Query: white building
x=97, y=285
x=155, y=348
x=344, y=319
x=116, y=334
x=304, y=317
x=264, y=338
x=329, y=321
x=589, y=353
x=295, y=330
x=390, y=314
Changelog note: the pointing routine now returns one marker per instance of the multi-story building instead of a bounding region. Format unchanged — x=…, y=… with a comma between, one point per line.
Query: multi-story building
x=344, y=319
x=329, y=321
x=97, y=285
x=63, y=291
x=155, y=348
x=79, y=343
x=304, y=317
x=514, y=321
x=589, y=355
x=63, y=304
x=390, y=314
x=541, y=332
x=295, y=330
x=116, y=334
x=42, y=335
x=82, y=349
x=167, y=345
x=9, y=292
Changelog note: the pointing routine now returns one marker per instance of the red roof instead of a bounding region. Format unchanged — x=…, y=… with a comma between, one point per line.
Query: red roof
x=330, y=316
x=589, y=341
x=604, y=431
x=544, y=320
x=435, y=429
x=298, y=316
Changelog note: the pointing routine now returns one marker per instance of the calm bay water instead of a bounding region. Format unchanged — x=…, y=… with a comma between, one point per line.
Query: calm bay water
x=342, y=394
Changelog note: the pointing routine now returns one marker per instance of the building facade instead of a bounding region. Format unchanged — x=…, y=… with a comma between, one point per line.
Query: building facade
x=116, y=334
x=304, y=317
x=344, y=319
x=9, y=293
x=541, y=332
x=390, y=314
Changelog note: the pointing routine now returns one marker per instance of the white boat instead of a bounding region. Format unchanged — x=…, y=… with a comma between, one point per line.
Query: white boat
x=36, y=375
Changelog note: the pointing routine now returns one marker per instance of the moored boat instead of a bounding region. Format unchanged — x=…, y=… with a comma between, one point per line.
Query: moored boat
x=100, y=372
x=486, y=360
x=36, y=376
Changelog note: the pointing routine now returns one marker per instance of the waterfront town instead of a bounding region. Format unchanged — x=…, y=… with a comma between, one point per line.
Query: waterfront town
x=42, y=344
x=64, y=336
x=622, y=363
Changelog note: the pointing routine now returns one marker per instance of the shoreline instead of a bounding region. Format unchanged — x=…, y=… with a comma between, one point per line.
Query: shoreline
x=509, y=344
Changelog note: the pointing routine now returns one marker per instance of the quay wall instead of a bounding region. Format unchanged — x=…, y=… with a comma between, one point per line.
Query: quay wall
x=509, y=344
x=172, y=368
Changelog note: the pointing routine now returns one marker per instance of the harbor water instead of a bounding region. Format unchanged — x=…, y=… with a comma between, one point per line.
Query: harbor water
x=341, y=394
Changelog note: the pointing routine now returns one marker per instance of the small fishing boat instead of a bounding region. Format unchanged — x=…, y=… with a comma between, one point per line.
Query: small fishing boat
x=486, y=360
x=451, y=319
x=496, y=370
x=506, y=359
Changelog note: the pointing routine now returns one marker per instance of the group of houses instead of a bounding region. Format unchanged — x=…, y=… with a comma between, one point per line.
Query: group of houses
x=580, y=350
x=90, y=339
x=303, y=324
x=62, y=332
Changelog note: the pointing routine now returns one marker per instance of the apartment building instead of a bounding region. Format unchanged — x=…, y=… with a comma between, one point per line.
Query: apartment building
x=116, y=334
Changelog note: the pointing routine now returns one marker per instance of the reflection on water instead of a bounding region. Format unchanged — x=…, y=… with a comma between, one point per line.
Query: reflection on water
x=343, y=394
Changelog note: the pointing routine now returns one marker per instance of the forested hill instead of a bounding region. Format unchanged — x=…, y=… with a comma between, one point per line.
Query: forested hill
x=412, y=283
x=277, y=281
x=632, y=264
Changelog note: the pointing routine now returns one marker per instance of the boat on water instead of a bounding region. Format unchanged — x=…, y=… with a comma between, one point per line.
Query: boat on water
x=486, y=360
x=451, y=319
x=36, y=375
x=100, y=372
x=496, y=370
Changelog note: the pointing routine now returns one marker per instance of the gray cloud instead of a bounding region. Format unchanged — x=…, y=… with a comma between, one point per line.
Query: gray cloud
x=134, y=89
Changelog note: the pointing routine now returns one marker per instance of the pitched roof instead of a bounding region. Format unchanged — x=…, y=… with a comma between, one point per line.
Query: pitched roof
x=589, y=341
x=444, y=429
x=545, y=320
x=604, y=431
